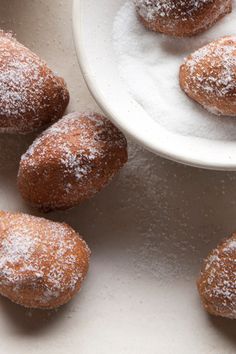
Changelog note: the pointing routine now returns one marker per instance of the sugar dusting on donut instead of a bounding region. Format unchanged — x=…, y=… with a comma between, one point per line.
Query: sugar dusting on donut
x=71, y=161
x=218, y=278
x=91, y=141
x=165, y=8
x=34, y=250
x=220, y=56
x=24, y=78
x=181, y=17
x=211, y=72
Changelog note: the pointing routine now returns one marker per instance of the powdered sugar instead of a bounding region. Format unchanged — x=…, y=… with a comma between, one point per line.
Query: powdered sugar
x=231, y=246
x=149, y=65
x=14, y=250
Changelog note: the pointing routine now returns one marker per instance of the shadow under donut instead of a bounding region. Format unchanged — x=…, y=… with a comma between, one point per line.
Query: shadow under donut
x=225, y=327
x=30, y=321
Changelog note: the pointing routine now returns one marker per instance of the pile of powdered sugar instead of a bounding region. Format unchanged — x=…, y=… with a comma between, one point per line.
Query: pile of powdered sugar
x=149, y=64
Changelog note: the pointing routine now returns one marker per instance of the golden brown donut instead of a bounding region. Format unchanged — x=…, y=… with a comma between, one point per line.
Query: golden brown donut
x=71, y=161
x=208, y=76
x=217, y=281
x=42, y=263
x=181, y=17
x=31, y=95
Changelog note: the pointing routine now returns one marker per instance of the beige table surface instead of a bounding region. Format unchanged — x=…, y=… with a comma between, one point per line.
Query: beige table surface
x=148, y=232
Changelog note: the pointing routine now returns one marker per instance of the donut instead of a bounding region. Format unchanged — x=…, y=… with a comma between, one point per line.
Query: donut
x=42, y=263
x=31, y=95
x=181, y=17
x=208, y=76
x=217, y=281
x=71, y=161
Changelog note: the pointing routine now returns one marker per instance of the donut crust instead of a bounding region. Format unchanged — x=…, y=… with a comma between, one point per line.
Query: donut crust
x=181, y=18
x=42, y=263
x=217, y=281
x=31, y=95
x=71, y=161
x=208, y=76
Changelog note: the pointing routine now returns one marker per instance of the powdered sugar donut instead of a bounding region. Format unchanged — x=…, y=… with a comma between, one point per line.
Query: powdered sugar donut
x=42, y=263
x=217, y=282
x=31, y=95
x=71, y=161
x=209, y=76
x=181, y=17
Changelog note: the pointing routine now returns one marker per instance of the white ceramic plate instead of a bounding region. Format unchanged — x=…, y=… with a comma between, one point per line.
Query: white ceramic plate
x=93, y=23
